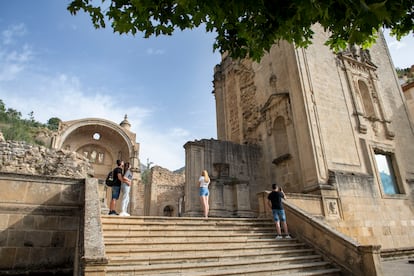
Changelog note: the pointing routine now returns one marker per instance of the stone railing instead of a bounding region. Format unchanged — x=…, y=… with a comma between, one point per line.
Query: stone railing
x=92, y=254
x=352, y=257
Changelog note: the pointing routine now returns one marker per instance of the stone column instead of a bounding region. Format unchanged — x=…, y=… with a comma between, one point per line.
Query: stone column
x=194, y=160
x=264, y=210
x=216, y=199
x=243, y=200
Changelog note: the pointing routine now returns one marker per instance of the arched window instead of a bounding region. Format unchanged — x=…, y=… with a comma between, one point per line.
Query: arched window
x=281, y=138
x=366, y=99
x=168, y=211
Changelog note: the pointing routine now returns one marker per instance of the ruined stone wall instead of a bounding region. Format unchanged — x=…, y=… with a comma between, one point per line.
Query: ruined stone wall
x=264, y=110
x=23, y=158
x=165, y=192
x=235, y=178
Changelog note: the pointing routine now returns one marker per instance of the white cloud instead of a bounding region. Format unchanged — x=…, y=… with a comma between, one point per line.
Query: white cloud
x=64, y=96
x=13, y=62
x=26, y=88
x=162, y=148
x=401, y=51
x=179, y=132
x=8, y=35
x=151, y=52
x=395, y=44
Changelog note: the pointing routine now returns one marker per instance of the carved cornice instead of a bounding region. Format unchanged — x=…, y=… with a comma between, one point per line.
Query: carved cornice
x=270, y=101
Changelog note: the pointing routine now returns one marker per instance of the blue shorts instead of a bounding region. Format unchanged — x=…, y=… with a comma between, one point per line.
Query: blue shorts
x=279, y=215
x=204, y=191
x=116, y=190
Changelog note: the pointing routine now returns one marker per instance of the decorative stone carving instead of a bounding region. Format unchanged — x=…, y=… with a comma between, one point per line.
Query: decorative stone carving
x=277, y=105
x=273, y=82
x=362, y=77
x=332, y=208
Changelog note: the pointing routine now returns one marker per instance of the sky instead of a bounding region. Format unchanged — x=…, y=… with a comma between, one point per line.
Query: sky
x=58, y=65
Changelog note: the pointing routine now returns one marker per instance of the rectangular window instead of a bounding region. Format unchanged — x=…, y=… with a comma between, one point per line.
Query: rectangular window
x=386, y=173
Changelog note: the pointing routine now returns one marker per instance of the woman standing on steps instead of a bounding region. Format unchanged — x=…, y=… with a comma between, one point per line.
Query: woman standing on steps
x=204, y=181
x=126, y=186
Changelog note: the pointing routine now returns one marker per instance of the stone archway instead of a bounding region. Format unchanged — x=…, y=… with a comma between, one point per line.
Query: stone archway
x=99, y=140
x=102, y=142
x=168, y=211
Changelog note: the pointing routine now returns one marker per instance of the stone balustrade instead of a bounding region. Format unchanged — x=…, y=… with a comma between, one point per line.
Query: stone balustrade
x=353, y=257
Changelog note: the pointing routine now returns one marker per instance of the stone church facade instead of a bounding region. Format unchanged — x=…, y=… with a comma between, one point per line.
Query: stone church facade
x=328, y=126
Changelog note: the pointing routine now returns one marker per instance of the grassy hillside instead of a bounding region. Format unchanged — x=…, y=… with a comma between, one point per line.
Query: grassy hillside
x=15, y=128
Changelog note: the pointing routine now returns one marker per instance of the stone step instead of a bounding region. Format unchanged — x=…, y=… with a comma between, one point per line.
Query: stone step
x=185, y=237
x=132, y=228
x=162, y=244
x=323, y=272
x=125, y=251
x=166, y=223
x=197, y=246
x=213, y=256
x=237, y=267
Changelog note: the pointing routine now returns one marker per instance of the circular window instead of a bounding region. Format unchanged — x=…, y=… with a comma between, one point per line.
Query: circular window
x=96, y=136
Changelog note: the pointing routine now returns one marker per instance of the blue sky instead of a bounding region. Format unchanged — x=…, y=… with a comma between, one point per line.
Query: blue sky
x=59, y=65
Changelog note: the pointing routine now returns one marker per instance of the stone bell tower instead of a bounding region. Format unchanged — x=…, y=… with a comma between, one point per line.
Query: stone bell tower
x=331, y=125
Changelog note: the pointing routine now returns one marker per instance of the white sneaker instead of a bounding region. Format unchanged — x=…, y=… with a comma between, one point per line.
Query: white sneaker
x=288, y=237
x=124, y=214
x=278, y=237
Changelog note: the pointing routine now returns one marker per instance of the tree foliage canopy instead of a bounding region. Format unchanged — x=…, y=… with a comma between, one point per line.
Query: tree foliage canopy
x=251, y=27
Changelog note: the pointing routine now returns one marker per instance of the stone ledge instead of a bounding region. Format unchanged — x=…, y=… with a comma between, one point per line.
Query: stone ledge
x=42, y=178
x=397, y=253
x=16, y=208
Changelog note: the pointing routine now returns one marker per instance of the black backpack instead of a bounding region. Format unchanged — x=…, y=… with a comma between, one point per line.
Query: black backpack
x=109, y=181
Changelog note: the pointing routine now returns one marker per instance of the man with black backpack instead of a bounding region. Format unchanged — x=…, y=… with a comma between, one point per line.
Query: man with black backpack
x=116, y=186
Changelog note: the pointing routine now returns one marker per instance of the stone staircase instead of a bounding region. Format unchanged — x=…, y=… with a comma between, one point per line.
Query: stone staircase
x=197, y=246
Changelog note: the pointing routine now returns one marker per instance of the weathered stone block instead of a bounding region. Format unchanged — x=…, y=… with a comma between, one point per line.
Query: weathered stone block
x=3, y=237
x=22, y=258
x=7, y=256
x=38, y=238
x=16, y=238
x=68, y=223
x=58, y=239
x=4, y=219
x=46, y=222
x=70, y=194
x=71, y=238
x=15, y=220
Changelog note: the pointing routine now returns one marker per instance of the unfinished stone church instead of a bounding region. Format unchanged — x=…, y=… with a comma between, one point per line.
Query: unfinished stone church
x=332, y=129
